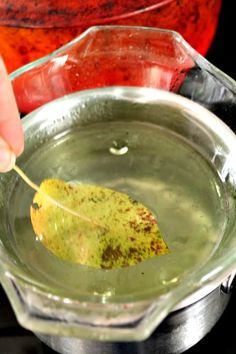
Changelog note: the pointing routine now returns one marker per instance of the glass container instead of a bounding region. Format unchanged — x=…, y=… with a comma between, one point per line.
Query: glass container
x=127, y=73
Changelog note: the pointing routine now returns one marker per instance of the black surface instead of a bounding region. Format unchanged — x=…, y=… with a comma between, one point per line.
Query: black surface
x=222, y=52
x=222, y=339
x=16, y=340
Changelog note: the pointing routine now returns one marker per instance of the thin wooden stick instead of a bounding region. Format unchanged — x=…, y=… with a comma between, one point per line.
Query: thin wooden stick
x=34, y=186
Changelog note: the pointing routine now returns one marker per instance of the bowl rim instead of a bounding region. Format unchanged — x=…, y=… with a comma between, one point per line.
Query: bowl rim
x=100, y=28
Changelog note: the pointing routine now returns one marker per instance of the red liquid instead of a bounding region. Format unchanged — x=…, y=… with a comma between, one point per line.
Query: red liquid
x=196, y=20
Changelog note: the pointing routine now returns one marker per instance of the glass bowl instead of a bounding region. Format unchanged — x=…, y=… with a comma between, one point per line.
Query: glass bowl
x=58, y=298
x=30, y=30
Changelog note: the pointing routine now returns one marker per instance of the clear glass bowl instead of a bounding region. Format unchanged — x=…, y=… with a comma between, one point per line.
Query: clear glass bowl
x=30, y=30
x=129, y=303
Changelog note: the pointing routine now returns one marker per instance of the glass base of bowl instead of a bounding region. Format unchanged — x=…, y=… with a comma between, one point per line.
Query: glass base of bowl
x=179, y=331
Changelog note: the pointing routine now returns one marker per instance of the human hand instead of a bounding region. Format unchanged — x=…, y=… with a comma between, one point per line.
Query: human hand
x=11, y=131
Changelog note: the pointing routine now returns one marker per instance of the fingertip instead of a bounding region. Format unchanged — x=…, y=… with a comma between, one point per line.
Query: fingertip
x=19, y=148
x=7, y=157
x=11, y=130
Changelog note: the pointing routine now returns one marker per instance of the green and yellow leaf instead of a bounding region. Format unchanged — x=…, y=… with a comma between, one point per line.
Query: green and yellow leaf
x=123, y=232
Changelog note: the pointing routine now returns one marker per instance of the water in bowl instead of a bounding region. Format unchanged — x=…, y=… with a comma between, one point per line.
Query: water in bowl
x=153, y=166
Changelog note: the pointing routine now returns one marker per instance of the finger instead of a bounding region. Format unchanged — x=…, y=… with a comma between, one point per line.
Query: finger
x=7, y=157
x=10, y=126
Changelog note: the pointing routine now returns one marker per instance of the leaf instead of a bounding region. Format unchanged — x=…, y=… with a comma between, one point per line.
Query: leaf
x=123, y=232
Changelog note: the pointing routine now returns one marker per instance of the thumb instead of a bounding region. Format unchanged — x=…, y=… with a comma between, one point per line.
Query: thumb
x=10, y=125
x=7, y=157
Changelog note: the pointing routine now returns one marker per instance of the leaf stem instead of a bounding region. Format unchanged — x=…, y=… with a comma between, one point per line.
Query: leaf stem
x=37, y=188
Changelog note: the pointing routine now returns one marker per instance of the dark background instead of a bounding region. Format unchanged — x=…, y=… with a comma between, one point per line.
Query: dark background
x=222, y=339
x=222, y=53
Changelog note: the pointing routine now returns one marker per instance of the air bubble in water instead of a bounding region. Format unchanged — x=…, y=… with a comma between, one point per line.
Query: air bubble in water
x=118, y=148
